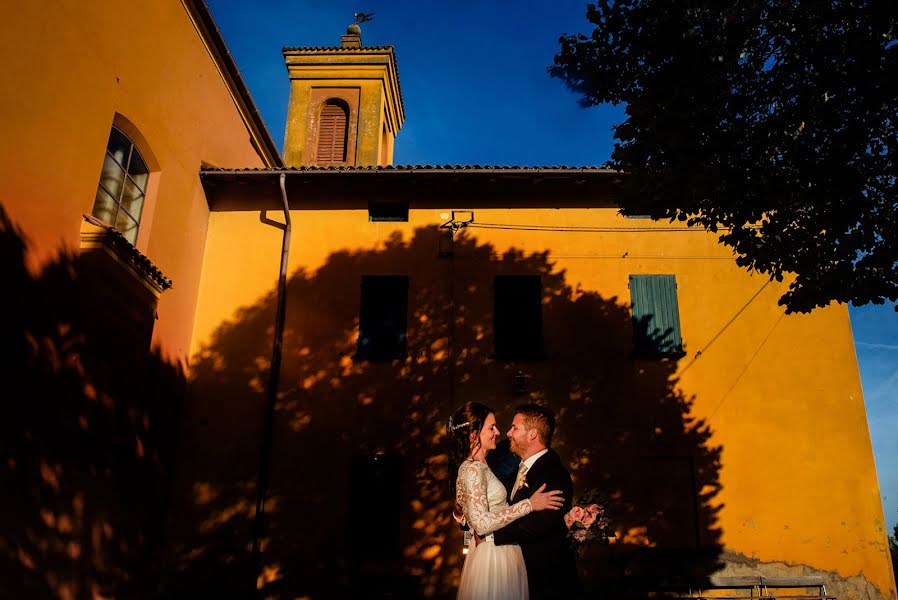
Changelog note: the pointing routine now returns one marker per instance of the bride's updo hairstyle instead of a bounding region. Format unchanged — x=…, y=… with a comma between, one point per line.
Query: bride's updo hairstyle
x=469, y=418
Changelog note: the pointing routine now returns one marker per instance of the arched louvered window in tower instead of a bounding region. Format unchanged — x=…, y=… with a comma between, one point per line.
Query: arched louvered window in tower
x=333, y=128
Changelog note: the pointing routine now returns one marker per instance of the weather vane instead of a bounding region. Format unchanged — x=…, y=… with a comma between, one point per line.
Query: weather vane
x=363, y=17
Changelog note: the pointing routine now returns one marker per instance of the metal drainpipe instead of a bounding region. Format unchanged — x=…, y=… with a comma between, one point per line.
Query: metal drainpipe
x=274, y=378
x=450, y=370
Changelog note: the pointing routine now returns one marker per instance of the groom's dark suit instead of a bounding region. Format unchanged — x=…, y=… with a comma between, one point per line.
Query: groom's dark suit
x=542, y=535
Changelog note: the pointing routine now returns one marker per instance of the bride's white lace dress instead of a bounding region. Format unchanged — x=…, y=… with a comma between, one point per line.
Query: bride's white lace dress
x=490, y=572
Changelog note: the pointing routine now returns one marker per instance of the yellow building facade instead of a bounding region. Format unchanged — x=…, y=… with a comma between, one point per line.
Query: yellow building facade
x=731, y=439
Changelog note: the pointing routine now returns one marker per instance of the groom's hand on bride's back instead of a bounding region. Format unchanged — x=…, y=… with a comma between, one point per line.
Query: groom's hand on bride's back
x=542, y=500
x=457, y=513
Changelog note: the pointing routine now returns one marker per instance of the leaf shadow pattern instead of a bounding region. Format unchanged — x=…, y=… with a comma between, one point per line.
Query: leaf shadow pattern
x=623, y=427
x=87, y=431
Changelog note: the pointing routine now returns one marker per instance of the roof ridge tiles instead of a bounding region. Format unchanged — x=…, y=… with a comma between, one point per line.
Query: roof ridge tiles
x=335, y=48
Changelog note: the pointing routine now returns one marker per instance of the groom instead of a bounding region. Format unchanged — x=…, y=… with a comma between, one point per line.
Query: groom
x=542, y=535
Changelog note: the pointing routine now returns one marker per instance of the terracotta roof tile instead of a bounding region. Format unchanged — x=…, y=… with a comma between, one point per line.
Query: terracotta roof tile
x=412, y=168
x=126, y=250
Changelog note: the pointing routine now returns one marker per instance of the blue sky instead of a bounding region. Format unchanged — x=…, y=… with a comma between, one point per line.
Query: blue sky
x=876, y=342
x=473, y=74
x=476, y=91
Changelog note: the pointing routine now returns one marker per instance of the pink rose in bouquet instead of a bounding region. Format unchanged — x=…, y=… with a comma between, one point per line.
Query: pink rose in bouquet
x=588, y=519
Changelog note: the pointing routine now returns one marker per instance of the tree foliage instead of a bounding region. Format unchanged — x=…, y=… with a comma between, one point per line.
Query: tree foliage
x=772, y=122
x=893, y=550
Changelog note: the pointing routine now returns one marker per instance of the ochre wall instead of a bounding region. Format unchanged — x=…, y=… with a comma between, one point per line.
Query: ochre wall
x=767, y=408
x=68, y=69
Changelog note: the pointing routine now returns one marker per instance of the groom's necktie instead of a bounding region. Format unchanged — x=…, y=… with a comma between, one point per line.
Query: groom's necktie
x=522, y=472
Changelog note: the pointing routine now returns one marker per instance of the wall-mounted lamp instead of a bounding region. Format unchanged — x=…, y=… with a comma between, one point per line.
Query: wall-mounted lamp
x=519, y=385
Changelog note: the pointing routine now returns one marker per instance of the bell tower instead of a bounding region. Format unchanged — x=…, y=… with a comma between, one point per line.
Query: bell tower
x=345, y=104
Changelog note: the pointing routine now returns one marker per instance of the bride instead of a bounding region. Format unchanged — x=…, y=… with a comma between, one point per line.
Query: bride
x=490, y=572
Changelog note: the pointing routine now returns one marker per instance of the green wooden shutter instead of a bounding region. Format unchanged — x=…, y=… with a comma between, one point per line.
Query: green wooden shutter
x=656, y=316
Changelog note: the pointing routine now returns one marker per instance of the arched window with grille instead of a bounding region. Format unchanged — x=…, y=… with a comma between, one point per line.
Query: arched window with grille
x=333, y=130
x=123, y=186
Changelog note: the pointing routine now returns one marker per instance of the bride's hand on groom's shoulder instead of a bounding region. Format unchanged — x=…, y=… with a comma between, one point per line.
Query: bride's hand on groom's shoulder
x=542, y=500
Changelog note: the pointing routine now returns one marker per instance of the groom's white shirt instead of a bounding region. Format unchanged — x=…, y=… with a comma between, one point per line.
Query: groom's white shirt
x=529, y=462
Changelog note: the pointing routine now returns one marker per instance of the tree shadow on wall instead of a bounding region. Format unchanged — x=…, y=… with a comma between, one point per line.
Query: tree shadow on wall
x=86, y=431
x=624, y=427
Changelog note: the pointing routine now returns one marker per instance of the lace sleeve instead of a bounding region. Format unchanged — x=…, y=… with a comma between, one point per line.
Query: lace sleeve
x=473, y=499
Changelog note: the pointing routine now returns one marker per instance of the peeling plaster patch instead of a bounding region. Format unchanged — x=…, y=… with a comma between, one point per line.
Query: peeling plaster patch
x=856, y=587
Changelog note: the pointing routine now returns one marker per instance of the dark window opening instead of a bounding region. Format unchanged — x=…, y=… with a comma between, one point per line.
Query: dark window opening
x=656, y=316
x=518, y=317
x=668, y=487
x=383, y=317
x=372, y=528
x=388, y=211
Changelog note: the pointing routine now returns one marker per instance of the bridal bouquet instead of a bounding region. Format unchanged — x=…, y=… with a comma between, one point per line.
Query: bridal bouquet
x=588, y=522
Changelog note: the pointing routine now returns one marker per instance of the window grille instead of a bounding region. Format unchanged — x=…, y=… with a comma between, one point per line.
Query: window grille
x=122, y=188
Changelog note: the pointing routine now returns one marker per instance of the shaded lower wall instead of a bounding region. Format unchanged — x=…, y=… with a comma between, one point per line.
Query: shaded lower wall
x=624, y=427
x=87, y=430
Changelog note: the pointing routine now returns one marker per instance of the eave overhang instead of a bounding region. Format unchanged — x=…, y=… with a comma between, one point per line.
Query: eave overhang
x=421, y=186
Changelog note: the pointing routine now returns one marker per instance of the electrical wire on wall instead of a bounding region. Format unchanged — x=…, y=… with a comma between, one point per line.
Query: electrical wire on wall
x=592, y=229
x=454, y=225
